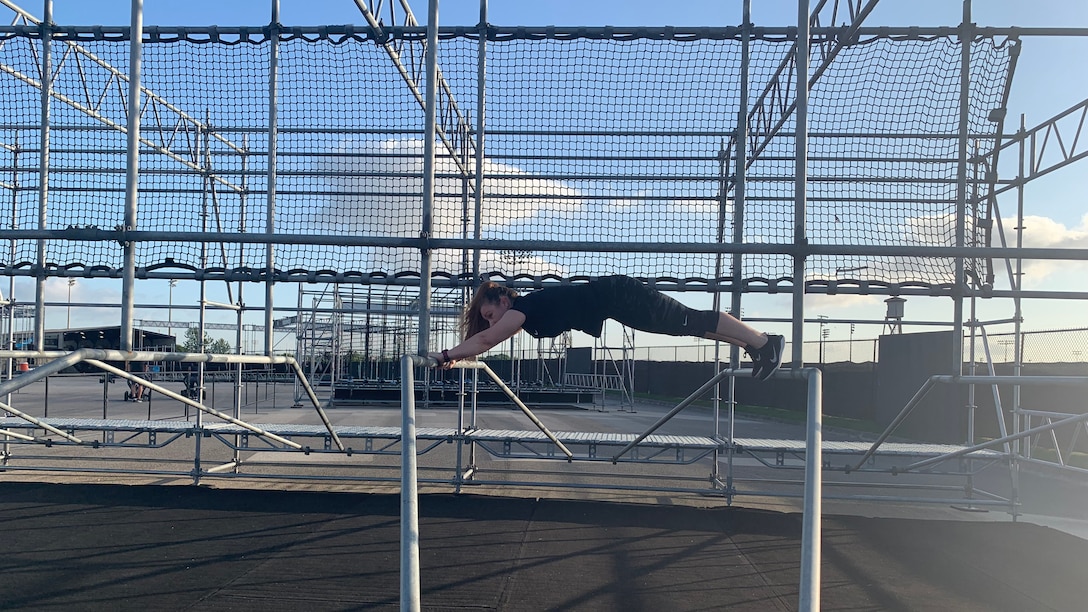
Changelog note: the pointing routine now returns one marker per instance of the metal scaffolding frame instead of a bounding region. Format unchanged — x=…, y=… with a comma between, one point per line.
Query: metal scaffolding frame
x=154, y=124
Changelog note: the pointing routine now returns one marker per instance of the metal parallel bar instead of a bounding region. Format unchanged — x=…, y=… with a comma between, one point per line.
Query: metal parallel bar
x=62, y=360
x=1064, y=381
x=1044, y=413
x=409, y=493
x=812, y=518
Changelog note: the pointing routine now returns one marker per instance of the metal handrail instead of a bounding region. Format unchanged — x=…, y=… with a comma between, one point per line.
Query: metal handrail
x=1080, y=381
x=61, y=360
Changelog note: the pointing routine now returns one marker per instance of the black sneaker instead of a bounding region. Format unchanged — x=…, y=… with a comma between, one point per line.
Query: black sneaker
x=768, y=358
x=753, y=354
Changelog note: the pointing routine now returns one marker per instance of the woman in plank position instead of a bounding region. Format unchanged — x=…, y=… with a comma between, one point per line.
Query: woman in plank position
x=497, y=312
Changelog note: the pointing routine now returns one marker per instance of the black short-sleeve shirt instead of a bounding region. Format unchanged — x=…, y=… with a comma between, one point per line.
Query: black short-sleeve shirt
x=552, y=311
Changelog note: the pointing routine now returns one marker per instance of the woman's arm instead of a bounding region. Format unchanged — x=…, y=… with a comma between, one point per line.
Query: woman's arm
x=504, y=329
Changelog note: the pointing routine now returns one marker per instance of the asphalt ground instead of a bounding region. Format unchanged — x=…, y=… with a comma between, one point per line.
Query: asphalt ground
x=111, y=540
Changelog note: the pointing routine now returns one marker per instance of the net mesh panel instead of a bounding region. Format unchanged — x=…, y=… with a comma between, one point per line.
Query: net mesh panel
x=588, y=141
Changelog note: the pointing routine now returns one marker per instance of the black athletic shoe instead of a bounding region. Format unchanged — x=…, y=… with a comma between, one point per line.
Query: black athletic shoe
x=753, y=354
x=768, y=358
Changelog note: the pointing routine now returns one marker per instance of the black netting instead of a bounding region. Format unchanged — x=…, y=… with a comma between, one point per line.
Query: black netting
x=588, y=141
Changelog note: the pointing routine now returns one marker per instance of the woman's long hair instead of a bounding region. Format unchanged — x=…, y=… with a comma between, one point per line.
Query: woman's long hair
x=473, y=322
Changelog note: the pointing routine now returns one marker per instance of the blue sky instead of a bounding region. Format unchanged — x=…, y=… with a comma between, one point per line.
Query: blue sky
x=1050, y=77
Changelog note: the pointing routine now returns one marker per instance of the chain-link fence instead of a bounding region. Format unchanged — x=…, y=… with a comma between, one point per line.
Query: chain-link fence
x=1049, y=346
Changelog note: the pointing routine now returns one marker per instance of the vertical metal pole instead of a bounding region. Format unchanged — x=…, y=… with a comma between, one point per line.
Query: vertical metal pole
x=481, y=121
x=716, y=302
x=270, y=213
x=966, y=37
x=10, y=308
x=1018, y=315
x=810, y=532
x=739, y=194
x=43, y=174
x=800, y=184
x=128, y=283
x=813, y=509
x=430, y=101
x=409, y=494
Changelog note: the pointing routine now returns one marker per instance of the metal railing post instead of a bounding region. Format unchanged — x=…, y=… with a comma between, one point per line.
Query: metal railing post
x=409, y=493
x=813, y=506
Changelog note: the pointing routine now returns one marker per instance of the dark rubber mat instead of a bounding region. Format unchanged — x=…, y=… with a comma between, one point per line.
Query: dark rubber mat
x=107, y=547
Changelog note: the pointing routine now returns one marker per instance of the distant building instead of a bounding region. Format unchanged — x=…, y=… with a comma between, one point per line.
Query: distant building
x=98, y=338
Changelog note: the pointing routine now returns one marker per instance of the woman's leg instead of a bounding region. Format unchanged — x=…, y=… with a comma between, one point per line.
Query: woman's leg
x=732, y=330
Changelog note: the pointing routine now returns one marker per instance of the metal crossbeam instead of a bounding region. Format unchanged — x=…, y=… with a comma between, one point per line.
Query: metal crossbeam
x=778, y=102
x=1051, y=145
x=409, y=57
x=164, y=126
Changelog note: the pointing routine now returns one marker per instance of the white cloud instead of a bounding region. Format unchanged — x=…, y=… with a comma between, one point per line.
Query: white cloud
x=1044, y=232
x=377, y=191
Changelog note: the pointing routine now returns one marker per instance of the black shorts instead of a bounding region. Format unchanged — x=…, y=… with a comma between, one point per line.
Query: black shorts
x=632, y=303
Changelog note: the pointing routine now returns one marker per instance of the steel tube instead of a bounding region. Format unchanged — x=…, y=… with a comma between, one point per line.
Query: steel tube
x=918, y=395
x=301, y=378
x=809, y=590
x=813, y=507
x=525, y=409
x=17, y=436
x=409, y=493
x=1002, y=440
x=43, y=170
x=195, y=404
x=132, y=176
x=481, y=122
x=707, y=386
x=39, y=423
x=426, y=229
x=270, y=201
x=778, y=33
x=100, y=235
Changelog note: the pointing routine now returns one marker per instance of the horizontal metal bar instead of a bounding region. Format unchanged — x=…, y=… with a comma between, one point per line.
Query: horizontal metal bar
x=785, y=33
x=1061, y=381
x=39, y=423
x=17, y=436
x=1027, y=433
x=103, y=235
x=195, y=404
